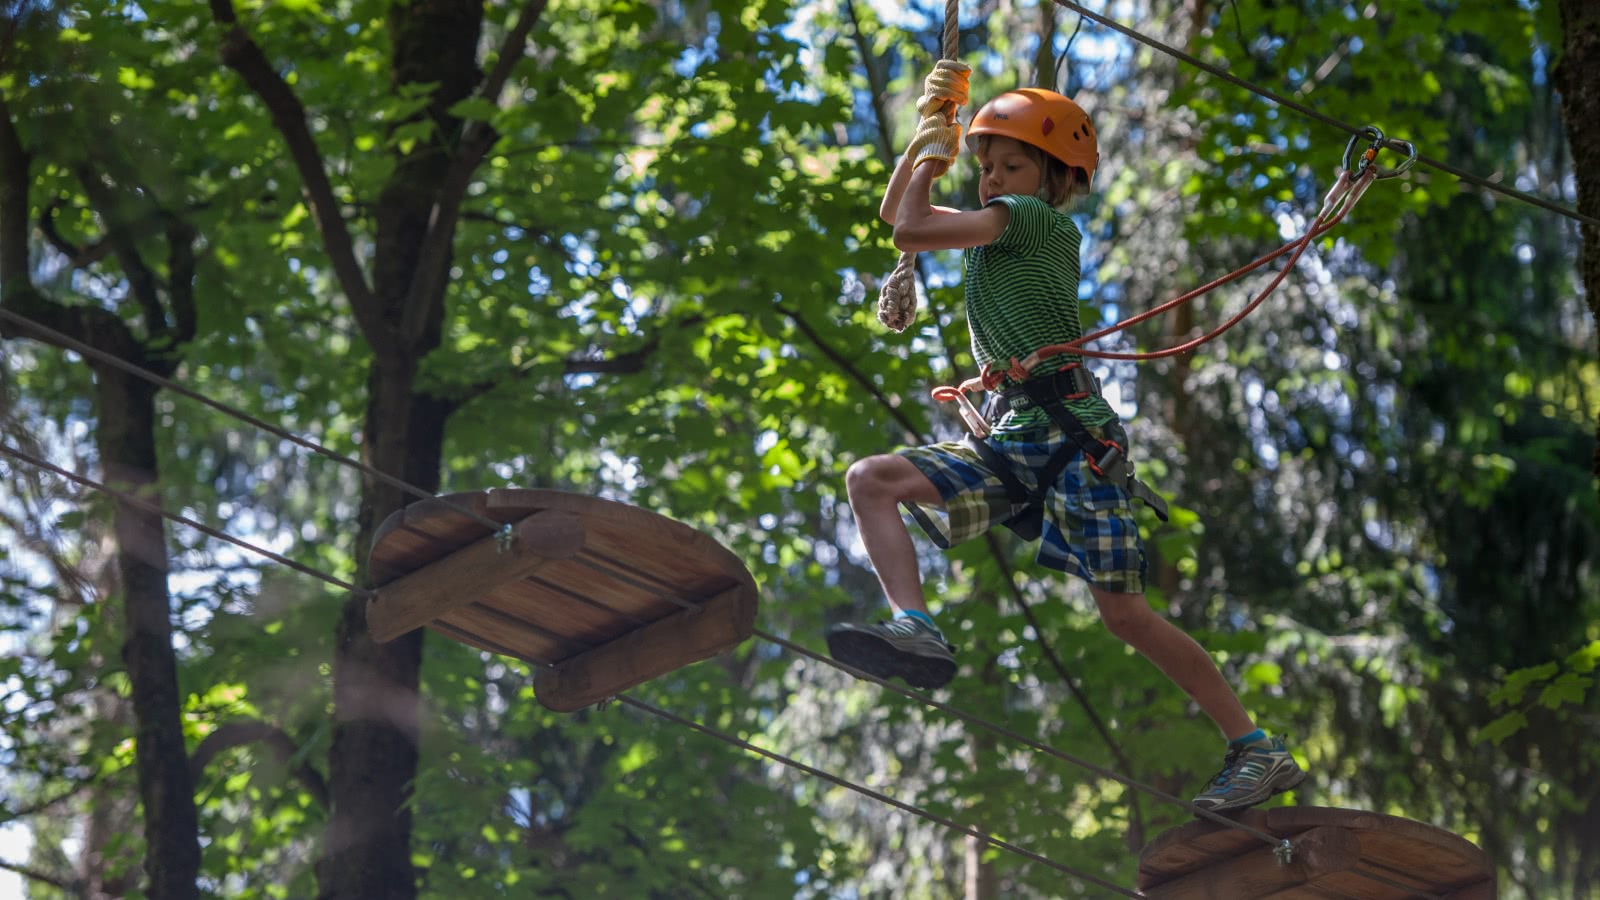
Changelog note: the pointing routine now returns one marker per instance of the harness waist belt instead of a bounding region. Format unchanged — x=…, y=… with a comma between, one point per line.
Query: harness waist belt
x=1070, y=383
x=1107, y=458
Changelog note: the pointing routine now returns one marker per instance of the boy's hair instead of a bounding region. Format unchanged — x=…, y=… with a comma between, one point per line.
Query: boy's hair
x=1060, y=185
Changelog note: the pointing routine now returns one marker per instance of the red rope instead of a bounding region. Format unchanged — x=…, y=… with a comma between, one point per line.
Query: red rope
x=1341, y=197
x=1336, y=204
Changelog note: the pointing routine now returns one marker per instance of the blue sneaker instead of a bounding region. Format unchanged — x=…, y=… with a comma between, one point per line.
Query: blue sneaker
x=1251, y=774
x=906, y=648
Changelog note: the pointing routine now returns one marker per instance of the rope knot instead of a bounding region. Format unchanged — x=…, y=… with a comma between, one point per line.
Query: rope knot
x=897, y=300
x=945, y=89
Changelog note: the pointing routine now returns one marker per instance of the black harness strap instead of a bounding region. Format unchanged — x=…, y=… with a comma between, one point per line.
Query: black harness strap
x=1108, y=459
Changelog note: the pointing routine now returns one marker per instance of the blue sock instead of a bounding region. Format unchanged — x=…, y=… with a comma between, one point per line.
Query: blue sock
x=922, y=617
x=1253, y=737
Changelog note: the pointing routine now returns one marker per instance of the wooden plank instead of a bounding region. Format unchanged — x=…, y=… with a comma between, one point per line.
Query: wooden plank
x=1198, y=844
x=652, y=542
x=685, y=637
x=1426, y=859
x=1483, y=890
x=557, y=611
x=511, y=635
x=1258, y=874
x=468, y=574
x=426, y=530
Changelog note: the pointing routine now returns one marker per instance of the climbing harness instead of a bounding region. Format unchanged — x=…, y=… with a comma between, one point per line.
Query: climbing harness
x=1050, y=392
x=1107, y=457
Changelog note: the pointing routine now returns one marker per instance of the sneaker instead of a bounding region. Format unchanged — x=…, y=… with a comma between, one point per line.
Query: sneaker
x=904, y=648
x=1251, y=774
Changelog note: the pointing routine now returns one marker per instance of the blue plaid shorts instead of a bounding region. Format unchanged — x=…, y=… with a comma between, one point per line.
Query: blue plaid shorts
x=1089, y=527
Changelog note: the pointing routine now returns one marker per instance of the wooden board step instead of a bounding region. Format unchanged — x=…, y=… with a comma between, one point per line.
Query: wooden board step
x=599, y=595
x=1203, y=860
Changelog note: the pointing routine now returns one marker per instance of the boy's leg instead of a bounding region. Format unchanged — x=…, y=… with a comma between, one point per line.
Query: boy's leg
x=909, y=646
x=1256, y=767
x=877, y=486
x=1176, y=654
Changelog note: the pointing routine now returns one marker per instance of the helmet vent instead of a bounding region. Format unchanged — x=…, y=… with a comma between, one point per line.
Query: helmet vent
x=1047, y=126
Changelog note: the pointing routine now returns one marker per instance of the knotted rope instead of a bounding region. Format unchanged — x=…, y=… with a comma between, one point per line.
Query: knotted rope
x=945, y=91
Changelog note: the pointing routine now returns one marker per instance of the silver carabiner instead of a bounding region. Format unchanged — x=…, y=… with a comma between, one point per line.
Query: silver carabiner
x=1372, y=133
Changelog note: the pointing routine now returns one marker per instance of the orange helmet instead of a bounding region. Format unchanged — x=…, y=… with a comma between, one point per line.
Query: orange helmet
x=1044, y=119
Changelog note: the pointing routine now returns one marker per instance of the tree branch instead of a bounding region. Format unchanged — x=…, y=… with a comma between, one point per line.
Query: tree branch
x=141, y=281
x=69, y=886
x=476, y=139
x=46, y=804
x=241, y=54
x=15, y=166
x=856, y=375
x=77, y=257
x=180, y=278
x=252, y=731
x=629, y=362
x=91, y=325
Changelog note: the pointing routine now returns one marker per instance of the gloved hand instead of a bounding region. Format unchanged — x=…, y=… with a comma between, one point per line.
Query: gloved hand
x=944, y=89
x=937, y=142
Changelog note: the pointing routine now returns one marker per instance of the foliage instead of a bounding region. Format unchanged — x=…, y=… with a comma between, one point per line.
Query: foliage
x=660, y=291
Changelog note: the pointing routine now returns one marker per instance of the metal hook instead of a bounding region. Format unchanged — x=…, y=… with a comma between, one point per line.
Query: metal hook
x=1372, y=133
x=504, y=538
x=1284, y=852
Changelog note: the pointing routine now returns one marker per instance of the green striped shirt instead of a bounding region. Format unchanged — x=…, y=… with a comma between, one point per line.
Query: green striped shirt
x=1022, y=294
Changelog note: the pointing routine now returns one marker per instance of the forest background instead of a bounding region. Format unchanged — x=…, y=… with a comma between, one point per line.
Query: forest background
x=631, y=249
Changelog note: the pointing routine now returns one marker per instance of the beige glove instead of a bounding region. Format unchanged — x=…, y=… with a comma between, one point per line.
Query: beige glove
x=945, y=89
x=936, y=141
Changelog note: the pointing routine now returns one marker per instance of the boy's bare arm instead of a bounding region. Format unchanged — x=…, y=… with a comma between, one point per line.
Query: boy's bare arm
x=919, y=226
x=890, y=207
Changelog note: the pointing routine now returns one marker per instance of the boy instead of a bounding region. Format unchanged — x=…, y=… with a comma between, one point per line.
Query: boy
x=1037, y=151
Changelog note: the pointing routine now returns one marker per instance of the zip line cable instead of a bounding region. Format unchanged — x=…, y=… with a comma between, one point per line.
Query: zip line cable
x=1283, y=846
x=83, y=349
x=875, y=795
x=1324, y=118
x=150, y=507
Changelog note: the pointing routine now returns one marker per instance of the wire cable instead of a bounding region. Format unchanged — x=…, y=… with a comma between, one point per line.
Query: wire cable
x=1324, y=118
x=135, y=500
x=71, y=343
x=875, y=795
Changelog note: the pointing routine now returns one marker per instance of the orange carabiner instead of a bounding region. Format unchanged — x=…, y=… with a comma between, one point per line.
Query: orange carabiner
x=969, y=413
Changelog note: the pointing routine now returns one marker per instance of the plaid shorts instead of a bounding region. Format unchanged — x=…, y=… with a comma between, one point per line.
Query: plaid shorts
x=1089, y=528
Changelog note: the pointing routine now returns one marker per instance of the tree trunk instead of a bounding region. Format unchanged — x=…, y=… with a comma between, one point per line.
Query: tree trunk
x=1578, y=77
x=126, y=439
x=374, y=758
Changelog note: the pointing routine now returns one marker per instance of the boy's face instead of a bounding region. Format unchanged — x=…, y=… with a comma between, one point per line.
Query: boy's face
x=1006, y=167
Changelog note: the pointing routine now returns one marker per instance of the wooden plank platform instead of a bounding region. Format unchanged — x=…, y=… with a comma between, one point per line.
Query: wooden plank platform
x=600, y=595
x=1336, y=853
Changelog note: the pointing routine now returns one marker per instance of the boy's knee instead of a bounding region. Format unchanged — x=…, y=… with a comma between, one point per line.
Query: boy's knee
x=867, y=476
x=1128, y=617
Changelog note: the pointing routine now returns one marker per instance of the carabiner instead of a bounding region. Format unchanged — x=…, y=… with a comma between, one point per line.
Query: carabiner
x=1374, y=134
x=969, y=414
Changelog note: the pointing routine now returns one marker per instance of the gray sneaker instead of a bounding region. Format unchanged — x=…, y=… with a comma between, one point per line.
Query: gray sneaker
x=1250, y=775
x=900, y=648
